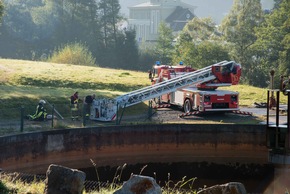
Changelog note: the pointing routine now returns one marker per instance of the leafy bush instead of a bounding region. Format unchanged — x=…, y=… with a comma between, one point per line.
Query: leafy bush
x=75, y=53
x=124, y=74
x=3, y=188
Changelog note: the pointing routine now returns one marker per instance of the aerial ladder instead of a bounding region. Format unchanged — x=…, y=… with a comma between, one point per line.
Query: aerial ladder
x=106, y=109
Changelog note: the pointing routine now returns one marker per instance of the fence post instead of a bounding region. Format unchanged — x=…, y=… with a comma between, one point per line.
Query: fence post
x=84, y=114
x=150, y=110
x=117, y=114
x=22, y=118
x=52, y=116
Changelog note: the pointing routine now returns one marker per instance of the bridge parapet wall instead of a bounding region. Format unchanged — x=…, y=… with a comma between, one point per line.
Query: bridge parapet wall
x=116, y=145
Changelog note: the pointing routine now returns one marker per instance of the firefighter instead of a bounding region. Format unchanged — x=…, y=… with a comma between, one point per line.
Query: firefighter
x=284, y=84
x=74, y=106
x=88, y=103
x=40, y=114
x=150, y=74
x=74, y=99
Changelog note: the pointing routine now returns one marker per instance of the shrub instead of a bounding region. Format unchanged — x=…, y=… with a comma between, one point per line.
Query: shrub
x=3, y=188
x=74, y=53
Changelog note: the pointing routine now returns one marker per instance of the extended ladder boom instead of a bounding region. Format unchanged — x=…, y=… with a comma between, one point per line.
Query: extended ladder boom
x=149, y=92
x=107, y=108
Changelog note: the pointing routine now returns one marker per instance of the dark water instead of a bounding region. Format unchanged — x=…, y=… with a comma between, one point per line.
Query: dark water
x=256, y=178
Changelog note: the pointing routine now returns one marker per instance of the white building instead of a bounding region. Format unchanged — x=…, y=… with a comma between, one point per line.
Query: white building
x=145, y=18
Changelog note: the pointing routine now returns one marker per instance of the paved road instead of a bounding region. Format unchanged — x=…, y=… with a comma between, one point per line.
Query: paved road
x=171, y=115
x=263, y=112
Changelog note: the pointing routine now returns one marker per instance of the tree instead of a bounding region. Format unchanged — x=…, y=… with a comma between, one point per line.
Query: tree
x=17, y=30
x=200, y=29
x=1, y=10
x=277, y=4
x=209, y=53
x=284, y=59
x=271, y=50
x=32, y=28
x=109, y=19
x=109, y=11
x=203, y=54
x=164, y=47
x=199, y=44
x=183, y=48
x=237, y=29
x=127, y=51
x=147, y=55
x=78, y=21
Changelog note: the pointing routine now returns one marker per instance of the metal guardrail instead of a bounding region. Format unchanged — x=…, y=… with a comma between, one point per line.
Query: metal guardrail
x=14, y=121
x=278, y=133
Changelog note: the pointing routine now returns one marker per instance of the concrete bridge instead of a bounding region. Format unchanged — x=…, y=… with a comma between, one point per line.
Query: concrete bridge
x=133, y=144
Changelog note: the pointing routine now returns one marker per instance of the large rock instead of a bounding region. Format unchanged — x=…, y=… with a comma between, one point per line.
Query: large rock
x=63, y=180
x=138, y=184
x=228, y=188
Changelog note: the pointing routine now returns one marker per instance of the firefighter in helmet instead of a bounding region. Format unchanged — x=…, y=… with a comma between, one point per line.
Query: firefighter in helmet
x=40, y=113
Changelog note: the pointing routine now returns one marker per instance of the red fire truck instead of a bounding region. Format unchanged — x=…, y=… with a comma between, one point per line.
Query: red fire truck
x=179, y=85
x=204, y=95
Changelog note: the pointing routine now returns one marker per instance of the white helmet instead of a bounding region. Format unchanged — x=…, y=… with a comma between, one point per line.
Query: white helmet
x=42, y=101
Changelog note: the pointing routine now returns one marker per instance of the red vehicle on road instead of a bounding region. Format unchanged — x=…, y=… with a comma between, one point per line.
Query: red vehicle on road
x=203, y=95
x=179, y=85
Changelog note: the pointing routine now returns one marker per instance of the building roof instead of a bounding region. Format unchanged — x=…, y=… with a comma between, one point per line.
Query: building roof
x=144, y=5
x=149, y=4
x=179, y=18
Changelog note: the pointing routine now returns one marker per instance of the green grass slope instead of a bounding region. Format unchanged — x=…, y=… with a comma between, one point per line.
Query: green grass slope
x=25, y=82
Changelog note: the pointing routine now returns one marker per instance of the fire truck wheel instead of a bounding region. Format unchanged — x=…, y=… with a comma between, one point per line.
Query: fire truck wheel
x=187, y=106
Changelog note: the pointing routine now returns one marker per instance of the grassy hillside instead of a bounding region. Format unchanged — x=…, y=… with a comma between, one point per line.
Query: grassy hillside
x=25, y=82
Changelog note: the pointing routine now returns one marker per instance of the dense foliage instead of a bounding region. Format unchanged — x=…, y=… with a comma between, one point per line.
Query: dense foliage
x=33, y=29
x=258, y=39
x=272, y=45
x=237, y=29
x=1, y=10
x=164, y=45
x=199, y=45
